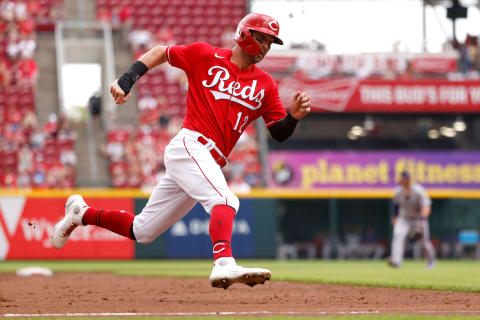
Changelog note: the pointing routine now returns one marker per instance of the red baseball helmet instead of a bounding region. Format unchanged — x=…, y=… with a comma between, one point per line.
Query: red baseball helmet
x=260, y=23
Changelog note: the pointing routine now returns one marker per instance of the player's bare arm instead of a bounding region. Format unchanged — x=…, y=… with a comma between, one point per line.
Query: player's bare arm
x=120, y=88
x=154, y=57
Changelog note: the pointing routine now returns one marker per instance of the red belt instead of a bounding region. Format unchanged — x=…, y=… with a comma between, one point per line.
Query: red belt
x=217, y=156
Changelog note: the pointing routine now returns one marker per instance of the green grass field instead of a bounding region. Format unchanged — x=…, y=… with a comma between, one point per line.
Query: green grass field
x=448, y=275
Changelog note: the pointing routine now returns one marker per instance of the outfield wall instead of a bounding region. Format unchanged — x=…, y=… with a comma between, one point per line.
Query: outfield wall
x=265, y=219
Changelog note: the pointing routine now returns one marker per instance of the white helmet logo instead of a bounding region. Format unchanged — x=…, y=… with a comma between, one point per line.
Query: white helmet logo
x=273, y=25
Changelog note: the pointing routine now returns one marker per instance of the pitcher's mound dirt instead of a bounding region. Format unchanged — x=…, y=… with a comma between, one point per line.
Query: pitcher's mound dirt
x=105, y=292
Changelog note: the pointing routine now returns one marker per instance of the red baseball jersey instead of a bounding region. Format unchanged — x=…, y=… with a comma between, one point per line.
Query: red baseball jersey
x=223, y=99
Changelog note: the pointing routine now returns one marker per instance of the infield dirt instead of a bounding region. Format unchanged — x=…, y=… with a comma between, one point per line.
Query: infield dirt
x=106, y=292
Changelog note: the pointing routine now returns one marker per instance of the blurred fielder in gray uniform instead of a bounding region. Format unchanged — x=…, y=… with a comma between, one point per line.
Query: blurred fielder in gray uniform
x=412, y=207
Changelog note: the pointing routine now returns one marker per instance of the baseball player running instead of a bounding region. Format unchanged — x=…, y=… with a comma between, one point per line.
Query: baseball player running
x=226, y=92
x=412, y=207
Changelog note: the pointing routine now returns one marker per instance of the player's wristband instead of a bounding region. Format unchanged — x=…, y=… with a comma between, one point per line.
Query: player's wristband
x=128, y=79
x=284, y=128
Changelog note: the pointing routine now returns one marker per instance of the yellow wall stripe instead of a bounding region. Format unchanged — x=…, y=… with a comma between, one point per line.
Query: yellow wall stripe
x=255, y=193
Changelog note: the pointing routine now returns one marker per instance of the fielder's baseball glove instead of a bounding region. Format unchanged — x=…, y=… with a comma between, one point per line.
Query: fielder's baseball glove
x=416, y=231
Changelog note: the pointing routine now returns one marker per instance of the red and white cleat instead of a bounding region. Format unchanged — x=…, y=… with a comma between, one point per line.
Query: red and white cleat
x=226, y=272
x=75, y=208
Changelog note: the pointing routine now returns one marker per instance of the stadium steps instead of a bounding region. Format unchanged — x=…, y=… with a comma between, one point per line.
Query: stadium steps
x=85, y=176
x=80, y=10
x=46, y=95
x=126, y=114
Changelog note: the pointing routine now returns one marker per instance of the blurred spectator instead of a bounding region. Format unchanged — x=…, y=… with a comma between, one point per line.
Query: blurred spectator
x=350, y=247
x=148, y=108
x=27, y=73
x=115, y=151
x=371, y=245
x=37, y=138
x=104, y=15
x=25, y=159
x=3, y=29
x=57, y=11
x=164, y=36
x=95, y=104
x=51, y=126
x=26, y=26
x=38, y=177
x=10, y=179
x=174, y=126
x=239, y=185
x=464, y=63
x=68, y=158
x=5, y=78
x=12, y=48
x=27, y=46
x=472, y=52
x=54, y=176
x=24, y=181
x=113, y=18
x=13, y=134
x=29, y=122
x=119, y=17
x=407, y=74
x=134, y=177
x=20, y=10
x=7, y=10
x=125, y=16
x=118, y=172
x=33, y=7
x=227, y=37
x=64, y=133
x=139, y=40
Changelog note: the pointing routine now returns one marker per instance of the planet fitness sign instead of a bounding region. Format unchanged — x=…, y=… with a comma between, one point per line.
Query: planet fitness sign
x=339, y=169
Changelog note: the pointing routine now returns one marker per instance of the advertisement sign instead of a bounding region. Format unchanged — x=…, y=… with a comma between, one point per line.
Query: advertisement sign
x=26, y=225
x=190, y=238
x=321, y=64
x=374, y=169
x=412, y=96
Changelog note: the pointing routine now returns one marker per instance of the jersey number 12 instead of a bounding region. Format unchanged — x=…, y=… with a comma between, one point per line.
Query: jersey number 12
x=239, y=118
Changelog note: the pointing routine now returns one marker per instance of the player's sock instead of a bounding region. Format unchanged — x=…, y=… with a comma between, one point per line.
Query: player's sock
x=221, y=224
x=116, y=221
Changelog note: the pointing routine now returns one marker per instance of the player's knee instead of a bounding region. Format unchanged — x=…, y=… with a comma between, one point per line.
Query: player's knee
x=144, y=233
x=232, y=201
x=144, y=237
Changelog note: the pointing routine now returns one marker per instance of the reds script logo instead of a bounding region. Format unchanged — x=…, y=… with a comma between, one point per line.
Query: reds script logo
x=234, y=89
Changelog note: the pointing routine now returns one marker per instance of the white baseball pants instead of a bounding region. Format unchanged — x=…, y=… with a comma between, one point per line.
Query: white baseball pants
x=191, y=175
x=400, y=231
